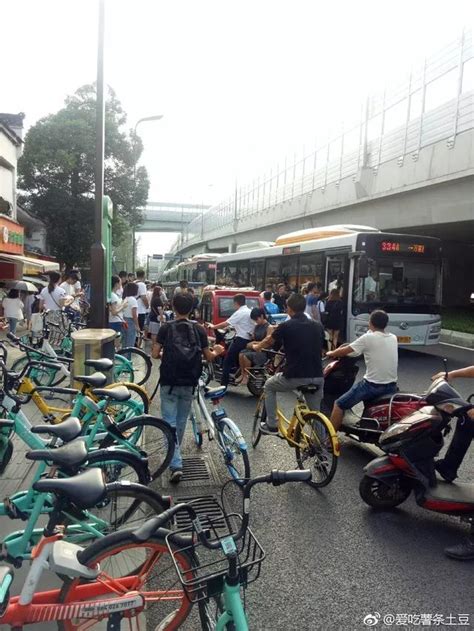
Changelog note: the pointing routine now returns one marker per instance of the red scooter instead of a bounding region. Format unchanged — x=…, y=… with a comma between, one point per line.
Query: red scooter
x=411, y=446
x=377, y=415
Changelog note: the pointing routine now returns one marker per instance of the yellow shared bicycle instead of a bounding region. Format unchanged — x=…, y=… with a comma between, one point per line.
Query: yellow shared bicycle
x=309, y=432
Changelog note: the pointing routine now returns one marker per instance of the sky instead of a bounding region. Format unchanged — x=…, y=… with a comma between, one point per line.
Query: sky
x=240, y=84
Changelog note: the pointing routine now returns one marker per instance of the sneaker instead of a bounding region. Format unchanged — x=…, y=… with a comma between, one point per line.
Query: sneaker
x=444, y=471
x=267, y=429
x=176, y=476
x=463, y=551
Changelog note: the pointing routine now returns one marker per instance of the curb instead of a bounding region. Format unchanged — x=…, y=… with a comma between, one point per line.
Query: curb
x=456, y=337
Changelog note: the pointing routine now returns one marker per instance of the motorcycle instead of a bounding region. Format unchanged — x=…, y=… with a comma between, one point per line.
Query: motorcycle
x=411, y=446
x=213, y=370
x=377, y=414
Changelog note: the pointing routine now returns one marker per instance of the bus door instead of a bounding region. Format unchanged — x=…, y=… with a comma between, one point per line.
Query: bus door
x=337, y=277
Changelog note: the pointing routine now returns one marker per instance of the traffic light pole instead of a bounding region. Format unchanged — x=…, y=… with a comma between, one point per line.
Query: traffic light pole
x=98, y=289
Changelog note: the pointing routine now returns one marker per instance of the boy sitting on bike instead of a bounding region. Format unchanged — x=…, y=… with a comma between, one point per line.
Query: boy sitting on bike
x=303, y=342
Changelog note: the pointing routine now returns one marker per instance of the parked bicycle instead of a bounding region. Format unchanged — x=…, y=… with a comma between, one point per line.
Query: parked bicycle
x=216, y=423
x=144, y=576
x=130, y=364
x=143, y=435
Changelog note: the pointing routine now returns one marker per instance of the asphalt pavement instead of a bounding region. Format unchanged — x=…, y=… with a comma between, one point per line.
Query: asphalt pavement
x=331, y=560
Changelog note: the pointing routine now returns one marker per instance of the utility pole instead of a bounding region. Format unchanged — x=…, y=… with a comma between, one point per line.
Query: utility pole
x=98, y=289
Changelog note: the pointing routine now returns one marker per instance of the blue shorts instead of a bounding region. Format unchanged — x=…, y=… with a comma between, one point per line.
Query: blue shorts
x=364, y=391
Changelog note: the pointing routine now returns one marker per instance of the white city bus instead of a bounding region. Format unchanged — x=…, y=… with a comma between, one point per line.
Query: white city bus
x=199, y=271
x=399, y=273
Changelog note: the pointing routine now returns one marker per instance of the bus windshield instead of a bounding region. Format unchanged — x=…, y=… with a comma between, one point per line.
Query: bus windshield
x=397, y=286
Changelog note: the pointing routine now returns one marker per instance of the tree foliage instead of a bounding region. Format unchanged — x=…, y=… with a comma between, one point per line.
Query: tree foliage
x=57, y=174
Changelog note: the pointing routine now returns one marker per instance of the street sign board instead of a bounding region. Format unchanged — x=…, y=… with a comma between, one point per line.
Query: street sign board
x=171, y=257
x=157, y=257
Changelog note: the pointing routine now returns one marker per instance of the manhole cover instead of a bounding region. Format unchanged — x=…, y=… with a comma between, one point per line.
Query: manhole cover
x=208, y=509
x=195, y=470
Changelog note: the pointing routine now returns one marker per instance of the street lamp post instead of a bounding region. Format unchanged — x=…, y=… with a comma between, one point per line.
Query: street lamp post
x=146, y=119
x=98, y=289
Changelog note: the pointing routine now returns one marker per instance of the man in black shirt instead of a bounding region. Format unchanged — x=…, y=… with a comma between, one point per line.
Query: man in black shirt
x=181, y=345
x=303, y=342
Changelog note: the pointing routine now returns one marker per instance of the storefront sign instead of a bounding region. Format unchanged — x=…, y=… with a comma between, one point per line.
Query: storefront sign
x=11, y=236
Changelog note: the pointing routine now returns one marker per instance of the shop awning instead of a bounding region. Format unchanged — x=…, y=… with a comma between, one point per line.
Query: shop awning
x=30, y=265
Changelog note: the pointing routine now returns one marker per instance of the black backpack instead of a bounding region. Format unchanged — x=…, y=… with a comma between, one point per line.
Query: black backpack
x=182, y=354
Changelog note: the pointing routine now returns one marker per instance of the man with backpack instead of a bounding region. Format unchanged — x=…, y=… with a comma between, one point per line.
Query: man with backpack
x=181, y=344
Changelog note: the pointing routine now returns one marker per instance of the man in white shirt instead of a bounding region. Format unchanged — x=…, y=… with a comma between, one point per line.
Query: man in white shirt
x=142, y=298
x=243, y=324
x=380, y=350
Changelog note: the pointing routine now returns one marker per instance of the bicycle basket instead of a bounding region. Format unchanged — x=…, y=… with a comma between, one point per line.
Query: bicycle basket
x=205, y=577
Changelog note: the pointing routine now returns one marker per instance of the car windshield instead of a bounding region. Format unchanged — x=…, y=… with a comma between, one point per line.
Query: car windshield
x=397, y=285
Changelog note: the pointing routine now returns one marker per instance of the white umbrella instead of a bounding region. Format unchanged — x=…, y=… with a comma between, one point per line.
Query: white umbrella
x=23, y=285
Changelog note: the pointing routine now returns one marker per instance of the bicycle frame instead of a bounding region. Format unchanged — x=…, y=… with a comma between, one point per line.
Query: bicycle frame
x=234, y=609
x=82, y=401
x=287, y=427
x=32, y=607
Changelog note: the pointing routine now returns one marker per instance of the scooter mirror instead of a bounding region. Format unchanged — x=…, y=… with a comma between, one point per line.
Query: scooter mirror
x=445, y=364
x=363, y=267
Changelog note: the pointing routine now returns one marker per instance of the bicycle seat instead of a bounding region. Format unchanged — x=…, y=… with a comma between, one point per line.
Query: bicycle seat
x=84, y=490
x=97, y=380
x=309, y=389
x=120, y=393
x=215, y=393
x=67, y=430
x=70, y=456
x=102, y=365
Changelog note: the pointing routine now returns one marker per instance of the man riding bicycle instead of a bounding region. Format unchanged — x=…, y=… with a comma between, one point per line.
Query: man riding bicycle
x=303, y=342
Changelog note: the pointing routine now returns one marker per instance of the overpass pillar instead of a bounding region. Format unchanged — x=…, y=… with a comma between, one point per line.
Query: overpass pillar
x=231, y=248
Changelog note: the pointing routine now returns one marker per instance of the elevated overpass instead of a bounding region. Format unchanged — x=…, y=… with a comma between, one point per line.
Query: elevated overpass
x=406, y=166
x=170, y=217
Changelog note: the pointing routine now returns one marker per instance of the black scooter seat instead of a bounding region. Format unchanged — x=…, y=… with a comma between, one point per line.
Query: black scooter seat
x=102, y=365
x=69, y=456
x=452, y=492
x=84, y=490
x=120, y=393
x=97, y=380
x=67, y=430
x=6, y=422
x=215, y=393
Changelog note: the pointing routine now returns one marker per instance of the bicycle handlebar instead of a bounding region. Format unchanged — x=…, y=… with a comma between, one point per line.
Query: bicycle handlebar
x=30, y=349
x=276, y=478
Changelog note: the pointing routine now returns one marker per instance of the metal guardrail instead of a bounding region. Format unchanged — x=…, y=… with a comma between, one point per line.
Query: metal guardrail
x=397, y=123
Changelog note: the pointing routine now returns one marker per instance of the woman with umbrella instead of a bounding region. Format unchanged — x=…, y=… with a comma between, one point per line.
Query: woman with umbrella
x=13, y=309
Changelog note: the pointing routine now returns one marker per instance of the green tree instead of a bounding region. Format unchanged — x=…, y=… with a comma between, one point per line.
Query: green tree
x=56, y=174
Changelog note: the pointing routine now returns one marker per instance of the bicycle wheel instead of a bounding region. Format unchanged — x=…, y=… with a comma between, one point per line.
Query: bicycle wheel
x=130, y=504
x=132, y=364
x=259, y=417
x=236, y=457
x=129, y=566
x=39, y=376
x=151, y=435
x=315, y=450
x=119, y=465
